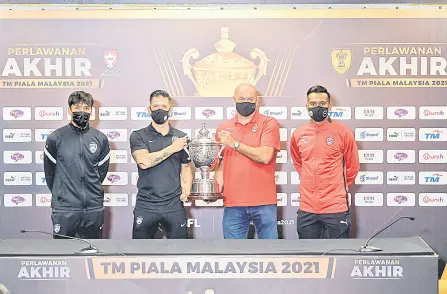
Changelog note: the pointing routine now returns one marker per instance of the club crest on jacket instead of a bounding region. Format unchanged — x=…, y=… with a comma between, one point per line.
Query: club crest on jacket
x=93, y=147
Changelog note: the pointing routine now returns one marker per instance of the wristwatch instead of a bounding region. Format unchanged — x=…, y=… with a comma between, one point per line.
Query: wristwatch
x=236, y=145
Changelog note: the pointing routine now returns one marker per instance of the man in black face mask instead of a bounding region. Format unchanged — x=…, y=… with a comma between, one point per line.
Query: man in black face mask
x=247, y=171
x=164, y=174
x=76, y=163
x=325, y=155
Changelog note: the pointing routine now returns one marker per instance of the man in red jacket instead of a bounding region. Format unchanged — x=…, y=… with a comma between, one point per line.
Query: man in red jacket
x=325, y=155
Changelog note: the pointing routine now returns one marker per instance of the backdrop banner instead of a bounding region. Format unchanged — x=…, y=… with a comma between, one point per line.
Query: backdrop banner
x=386, y=70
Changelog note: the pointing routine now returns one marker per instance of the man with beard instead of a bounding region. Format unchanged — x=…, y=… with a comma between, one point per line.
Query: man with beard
x=325, y=155
x=164, y=174
x=76, y=162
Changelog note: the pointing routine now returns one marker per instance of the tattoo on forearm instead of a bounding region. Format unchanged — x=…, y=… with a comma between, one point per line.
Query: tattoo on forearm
x=157, y=159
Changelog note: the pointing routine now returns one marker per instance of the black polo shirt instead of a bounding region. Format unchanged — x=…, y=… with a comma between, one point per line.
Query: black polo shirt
x=159, y=187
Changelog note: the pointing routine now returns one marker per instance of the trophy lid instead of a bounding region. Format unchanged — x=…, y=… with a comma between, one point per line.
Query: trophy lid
x=224, y=58
x=203, y=136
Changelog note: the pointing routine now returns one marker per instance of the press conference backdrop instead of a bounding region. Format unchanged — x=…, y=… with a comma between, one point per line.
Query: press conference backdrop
x=386, y=70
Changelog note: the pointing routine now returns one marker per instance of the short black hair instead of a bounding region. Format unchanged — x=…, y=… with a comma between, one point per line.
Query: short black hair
x=80, y=97
x=319, y=89
x=158, y=93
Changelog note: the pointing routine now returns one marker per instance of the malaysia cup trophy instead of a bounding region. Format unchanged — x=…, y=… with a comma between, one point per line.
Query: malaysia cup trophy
x=205, y=152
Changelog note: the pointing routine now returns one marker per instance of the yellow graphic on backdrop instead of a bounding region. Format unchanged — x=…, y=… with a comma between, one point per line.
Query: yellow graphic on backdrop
x=218, y=74
x=394, y=65
x=341, y=60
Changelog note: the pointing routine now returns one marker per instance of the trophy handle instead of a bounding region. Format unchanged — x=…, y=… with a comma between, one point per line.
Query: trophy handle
x=262, y=66
x=187, y=67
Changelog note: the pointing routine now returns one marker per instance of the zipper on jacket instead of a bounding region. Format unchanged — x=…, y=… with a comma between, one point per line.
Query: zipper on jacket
x=82, y=171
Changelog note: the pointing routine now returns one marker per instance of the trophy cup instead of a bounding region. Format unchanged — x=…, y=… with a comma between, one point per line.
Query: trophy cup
x=205, y=152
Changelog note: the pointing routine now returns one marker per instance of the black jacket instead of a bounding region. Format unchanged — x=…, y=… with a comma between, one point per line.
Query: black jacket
x=76, y=163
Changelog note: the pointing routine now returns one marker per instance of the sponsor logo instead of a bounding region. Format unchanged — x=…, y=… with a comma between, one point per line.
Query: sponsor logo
x=401, y=199
x=17, y=200
x=401, y=178
x=17, y=178
x=118, y=156
x=371, y=156
x=113, y=113
x=433, y=112
x=181, y=113
x=43, y=200
x=116, y=179
x=432, y=134
x=208, y=113
x=401, y=112
x=369, y=178
x=211, y=113
x=16, y=113
x=281, y=156
x=281, y=199
x=368, y=199
x=369, y=134
x=276, y=112
x=140, y=113
x=432, y=178
x=340, y=113
x=295, y=199
x=401, y=134
x=41, y=135
x=17, y=157
x=299, y=113
x=116, y=199
x=433, y=156
x=115, y=135
x=369, y=112
x=281, y=178
x=16, y=135
x=401, y=156
x=113, y=178
x=432, y=199
x=48, y=113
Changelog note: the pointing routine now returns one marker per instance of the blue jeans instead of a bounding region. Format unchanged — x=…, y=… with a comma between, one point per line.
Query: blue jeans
x=236, y=221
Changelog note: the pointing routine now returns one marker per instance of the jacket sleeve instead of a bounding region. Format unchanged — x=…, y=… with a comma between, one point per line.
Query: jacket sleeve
x=295, y=152
x=104, y=159
x=49, y=160
x=351, y=157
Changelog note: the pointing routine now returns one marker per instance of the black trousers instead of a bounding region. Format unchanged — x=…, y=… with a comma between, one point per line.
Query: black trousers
x=172, y=224
x=82, y=224
x=323, y=226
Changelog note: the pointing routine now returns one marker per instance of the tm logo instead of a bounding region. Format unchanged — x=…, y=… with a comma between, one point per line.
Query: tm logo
x=338, y=112
x=433, y=179
x=113, y=178
x=143, y=114
x=435, y=135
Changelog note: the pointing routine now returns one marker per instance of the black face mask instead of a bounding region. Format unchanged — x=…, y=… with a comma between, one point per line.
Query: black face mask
x=80, y=118
x=160, y=116
x=245, y=108
x=318, y=113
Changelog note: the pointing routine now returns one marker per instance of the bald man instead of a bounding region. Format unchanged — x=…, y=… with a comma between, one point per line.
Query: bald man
x=246, y=174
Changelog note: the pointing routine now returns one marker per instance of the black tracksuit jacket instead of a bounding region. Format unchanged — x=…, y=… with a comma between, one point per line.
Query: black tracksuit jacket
x=76, y=162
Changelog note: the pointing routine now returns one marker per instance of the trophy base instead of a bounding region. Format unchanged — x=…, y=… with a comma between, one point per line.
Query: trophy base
x=208, y=197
